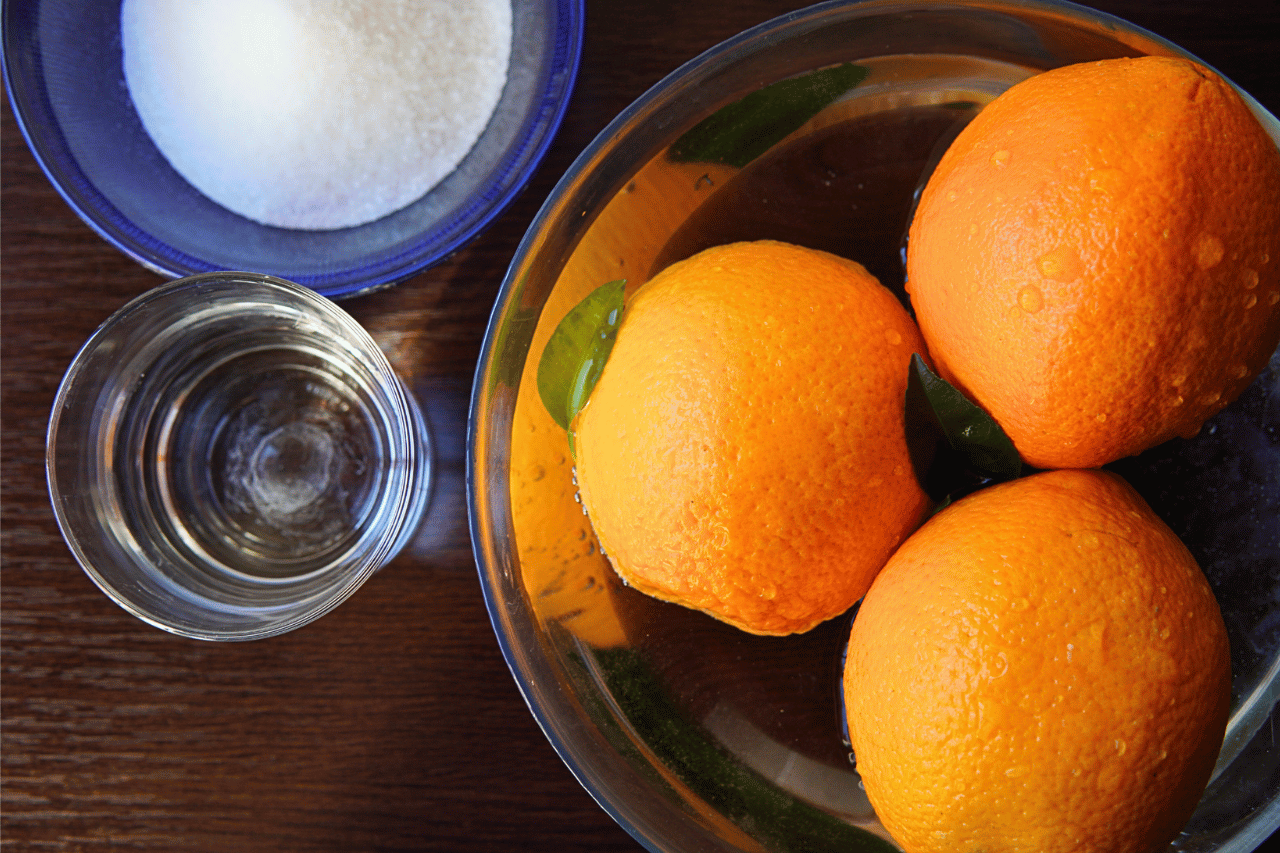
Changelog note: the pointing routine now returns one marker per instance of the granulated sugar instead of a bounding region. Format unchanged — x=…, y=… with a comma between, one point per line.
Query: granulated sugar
x=315, y=113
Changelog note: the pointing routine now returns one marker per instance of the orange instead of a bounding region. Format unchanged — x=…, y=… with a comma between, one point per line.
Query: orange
x=743, y=451
x=1096, y=259
x=1041, y=667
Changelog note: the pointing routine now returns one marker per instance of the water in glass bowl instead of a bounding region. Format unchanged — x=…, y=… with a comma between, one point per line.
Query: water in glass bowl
x=747, y=732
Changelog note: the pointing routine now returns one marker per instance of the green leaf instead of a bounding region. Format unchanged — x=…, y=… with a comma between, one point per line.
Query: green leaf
x=757, y=805
x=577, y=350
x=973, y=450
x=738, y=133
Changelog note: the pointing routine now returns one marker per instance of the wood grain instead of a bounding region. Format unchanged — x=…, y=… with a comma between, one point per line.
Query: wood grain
x=392, y=724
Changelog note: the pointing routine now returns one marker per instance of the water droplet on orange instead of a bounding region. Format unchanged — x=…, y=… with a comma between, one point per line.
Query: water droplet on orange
x=1250, y=279
x=1000, y=158
x=1251, y=300
x=1208, y=251
x=1061, y=264
x=1030, y=299
x=1105, y=180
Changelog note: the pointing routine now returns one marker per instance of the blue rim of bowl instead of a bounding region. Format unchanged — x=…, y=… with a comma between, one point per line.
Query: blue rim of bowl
x=102, y=216
x=585, y=770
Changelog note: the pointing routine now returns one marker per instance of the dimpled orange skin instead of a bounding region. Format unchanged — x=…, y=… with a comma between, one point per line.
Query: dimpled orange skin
x=1096, y=259
x=743, y=452
x=1041, y=667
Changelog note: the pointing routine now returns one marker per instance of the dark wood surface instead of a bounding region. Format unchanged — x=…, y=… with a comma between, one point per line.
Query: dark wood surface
x=392, y=723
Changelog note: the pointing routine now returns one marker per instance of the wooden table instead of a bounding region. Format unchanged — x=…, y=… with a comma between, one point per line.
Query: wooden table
x=392, y=723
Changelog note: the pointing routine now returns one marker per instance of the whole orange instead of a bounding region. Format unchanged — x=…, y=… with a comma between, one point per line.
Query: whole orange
x=1096, y=259
x=1041, y=667
x=743, y=451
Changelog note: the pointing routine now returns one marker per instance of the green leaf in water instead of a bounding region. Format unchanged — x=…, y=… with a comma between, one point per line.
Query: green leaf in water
x=757, y=805
x=577, y=350
x=738, y=133
x=972, y=450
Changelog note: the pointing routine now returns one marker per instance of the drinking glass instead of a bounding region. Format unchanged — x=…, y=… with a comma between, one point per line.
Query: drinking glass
x=231, y=455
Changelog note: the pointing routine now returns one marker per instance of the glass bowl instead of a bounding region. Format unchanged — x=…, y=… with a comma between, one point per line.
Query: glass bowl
x=695, y=736
x=64, y=79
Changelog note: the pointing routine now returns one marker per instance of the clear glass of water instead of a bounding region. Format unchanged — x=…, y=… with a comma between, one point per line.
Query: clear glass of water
x=231, y=455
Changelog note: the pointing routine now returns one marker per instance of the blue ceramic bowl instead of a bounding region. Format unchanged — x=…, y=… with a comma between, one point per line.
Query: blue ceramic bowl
x=65, y=83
